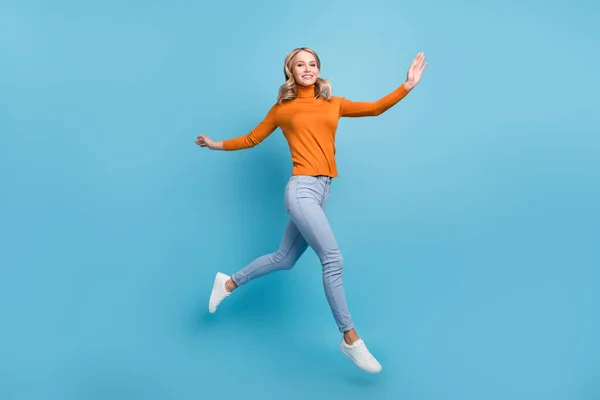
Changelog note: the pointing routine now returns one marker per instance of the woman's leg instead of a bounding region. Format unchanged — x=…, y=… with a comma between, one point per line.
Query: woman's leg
x=305, y=200
x=290, y=249
x=292, y=246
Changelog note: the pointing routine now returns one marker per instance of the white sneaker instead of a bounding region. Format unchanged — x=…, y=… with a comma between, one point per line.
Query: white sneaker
x=218, y=292
x=361, y=356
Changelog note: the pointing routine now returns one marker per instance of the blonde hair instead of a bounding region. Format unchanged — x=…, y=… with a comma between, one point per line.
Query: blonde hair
x=289, y=91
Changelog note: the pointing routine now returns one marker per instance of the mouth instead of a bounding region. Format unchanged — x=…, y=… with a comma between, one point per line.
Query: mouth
x=307, y=76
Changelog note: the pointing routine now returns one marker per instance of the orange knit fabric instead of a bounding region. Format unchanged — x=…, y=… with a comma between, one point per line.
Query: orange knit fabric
x=310, y=125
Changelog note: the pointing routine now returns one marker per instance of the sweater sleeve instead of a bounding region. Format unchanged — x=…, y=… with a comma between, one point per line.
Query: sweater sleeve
x=350, y=108
x=256, y=135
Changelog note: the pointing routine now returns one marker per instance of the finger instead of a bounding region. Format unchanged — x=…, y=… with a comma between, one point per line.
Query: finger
x=420, y=59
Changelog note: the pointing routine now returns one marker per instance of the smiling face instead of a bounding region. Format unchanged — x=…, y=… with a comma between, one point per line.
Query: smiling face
x=305, y=68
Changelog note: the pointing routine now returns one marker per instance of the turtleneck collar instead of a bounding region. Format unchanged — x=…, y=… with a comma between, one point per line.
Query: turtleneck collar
x=306, y=91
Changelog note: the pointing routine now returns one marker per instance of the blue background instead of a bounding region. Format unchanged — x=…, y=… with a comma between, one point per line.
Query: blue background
x=467, y=215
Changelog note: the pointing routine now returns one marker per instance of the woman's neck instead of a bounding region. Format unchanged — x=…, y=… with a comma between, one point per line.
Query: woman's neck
x=305, y=91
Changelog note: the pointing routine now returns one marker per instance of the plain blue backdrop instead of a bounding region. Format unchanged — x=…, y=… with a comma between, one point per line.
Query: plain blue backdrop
x=468, y=215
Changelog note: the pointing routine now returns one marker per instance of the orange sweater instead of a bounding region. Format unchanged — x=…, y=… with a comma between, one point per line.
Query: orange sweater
x=310, y=125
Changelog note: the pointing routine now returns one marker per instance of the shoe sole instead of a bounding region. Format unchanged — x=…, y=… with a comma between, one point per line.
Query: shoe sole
x=358, y=365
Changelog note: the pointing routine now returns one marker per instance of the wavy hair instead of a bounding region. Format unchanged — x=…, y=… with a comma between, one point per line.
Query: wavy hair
x=289, y=91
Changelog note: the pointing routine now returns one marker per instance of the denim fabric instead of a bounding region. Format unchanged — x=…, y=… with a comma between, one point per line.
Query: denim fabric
x=305, y=200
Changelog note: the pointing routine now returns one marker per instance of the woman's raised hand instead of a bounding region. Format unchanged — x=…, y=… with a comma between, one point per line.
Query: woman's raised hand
x=413, y=76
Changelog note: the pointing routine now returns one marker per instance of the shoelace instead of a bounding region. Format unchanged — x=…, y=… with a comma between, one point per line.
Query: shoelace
x=364, y=352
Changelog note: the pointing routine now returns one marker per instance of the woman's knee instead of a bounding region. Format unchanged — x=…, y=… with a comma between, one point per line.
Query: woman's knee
x=283, y=261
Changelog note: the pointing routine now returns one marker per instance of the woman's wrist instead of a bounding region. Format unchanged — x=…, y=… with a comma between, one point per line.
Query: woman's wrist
x=409, y=85
x=216, y=146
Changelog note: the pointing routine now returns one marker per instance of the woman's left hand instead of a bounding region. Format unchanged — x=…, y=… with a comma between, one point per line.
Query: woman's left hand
x=413, y=76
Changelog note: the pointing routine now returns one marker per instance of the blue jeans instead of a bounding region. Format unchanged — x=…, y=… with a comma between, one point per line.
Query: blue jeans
x=305, y=199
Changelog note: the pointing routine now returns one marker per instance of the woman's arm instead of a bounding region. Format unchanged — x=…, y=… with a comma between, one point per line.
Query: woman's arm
x=254, y=137
x=350, y=108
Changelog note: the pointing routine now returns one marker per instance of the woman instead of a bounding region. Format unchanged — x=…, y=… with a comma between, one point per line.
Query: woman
x=308, y=115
